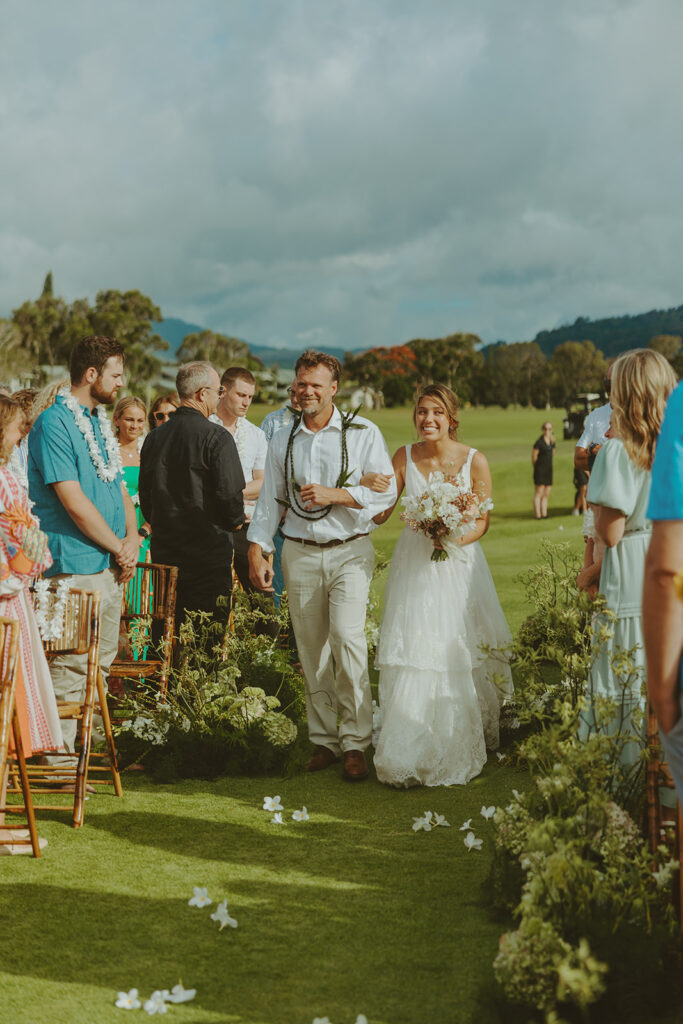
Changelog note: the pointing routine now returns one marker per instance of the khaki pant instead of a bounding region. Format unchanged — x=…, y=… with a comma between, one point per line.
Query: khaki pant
x=68, y=671
x=328, y=595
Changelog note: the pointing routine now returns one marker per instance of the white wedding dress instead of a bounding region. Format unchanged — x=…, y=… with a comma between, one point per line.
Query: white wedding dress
x=439, y=703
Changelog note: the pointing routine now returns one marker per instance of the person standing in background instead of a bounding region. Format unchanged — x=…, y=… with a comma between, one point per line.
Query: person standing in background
x=191, y=485
x=239, y=386
x=542, y=460
x=273, y=422
x=129, y=418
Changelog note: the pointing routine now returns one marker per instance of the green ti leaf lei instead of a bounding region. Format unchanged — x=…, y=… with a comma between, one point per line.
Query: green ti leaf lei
x=293, y=488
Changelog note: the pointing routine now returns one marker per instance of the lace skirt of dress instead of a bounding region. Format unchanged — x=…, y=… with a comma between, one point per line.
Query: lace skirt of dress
x=439, y=702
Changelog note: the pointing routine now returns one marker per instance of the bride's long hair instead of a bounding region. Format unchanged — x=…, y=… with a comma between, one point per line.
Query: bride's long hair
x=642, y=381
x=447, y=398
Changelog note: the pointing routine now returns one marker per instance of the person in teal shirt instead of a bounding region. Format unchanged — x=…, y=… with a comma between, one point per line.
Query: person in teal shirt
x=662, y=604
x=76, y=485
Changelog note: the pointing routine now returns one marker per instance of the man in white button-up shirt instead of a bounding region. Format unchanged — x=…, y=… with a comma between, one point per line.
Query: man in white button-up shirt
x=314, y=470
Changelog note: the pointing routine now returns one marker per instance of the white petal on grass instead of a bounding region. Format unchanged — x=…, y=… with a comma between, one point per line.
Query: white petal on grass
x=272, y=803
x=156, y=1004
x=301, y=815
x=423, y=824
x=128, y=1000
x=440, y=819
x=276, y=819
x=361, y=1019
x=471, y=842
x=321, y=1020
x=223, y=917
x=488, y=812
x=200, y=897
x=466, y=825
x=178, y=994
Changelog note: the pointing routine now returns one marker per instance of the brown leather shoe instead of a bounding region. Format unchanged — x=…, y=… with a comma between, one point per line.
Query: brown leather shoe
x=322, y=758
x=355, y=766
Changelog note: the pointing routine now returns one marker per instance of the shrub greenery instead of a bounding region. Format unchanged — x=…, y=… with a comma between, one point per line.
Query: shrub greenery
x=595, y=922
x=234, y=705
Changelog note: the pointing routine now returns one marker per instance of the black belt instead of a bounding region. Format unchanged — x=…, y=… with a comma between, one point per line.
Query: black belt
x=326, y=543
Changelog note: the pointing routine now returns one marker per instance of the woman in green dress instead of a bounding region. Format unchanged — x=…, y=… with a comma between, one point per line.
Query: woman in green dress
x=130, y=419
x=619, y=488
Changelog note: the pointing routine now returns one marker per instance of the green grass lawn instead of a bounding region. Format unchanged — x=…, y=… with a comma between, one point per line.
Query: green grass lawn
x=348, y=913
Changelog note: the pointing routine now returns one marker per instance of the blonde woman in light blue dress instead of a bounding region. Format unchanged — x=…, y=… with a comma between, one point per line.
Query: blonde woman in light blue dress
x=619, y=489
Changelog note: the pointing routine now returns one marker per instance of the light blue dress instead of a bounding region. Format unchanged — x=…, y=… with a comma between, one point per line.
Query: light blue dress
x=616, y=482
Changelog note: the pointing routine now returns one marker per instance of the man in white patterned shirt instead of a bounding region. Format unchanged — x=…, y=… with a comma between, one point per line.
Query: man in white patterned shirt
x=314, y=470
x=231, y=412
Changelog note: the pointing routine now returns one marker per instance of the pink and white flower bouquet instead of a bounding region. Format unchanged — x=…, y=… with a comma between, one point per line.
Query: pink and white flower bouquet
x=445, y=512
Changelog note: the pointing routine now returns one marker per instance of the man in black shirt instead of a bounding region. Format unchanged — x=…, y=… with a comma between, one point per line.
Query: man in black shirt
x=191, y=485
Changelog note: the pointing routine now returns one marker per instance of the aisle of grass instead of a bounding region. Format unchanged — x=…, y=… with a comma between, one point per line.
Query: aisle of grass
x=348, y=913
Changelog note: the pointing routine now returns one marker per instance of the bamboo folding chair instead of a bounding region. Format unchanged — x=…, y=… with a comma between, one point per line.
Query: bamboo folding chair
x=9, y=725
x=658, y=775
x=149, y=599
x=80, y=635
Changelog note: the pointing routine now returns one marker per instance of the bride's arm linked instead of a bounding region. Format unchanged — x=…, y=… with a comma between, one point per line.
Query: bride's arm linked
x=399, y=464
x=481, y=485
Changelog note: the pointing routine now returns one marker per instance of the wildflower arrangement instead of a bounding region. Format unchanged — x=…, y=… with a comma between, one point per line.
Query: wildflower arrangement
x=445, y=513
x=234, y=703
x=595, y=926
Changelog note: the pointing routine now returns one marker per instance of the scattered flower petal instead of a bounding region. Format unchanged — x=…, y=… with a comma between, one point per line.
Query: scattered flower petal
x=301, y=815
x=488, y=812
x=424, y=823
x=321, y=1020
x=128, y=1000
x=156, y=1003
x=223, y=917
x=272, y=803
x=471, y=843
x=440, y=819
x=178, y=994
x=361, y=1019
x=200, y=898
x=276, y=819
x=501, y=757
x=466, y=825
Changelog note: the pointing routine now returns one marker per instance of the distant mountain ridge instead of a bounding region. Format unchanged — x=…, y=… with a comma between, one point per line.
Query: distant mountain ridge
x=610, y=334
x=173, y=330
x=615, y=334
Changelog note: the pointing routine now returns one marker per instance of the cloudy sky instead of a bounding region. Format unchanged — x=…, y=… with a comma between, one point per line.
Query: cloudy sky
x=350, y=173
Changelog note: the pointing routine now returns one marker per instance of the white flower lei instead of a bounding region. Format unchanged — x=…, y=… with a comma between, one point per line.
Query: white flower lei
x=52, y=628
x=107, y=471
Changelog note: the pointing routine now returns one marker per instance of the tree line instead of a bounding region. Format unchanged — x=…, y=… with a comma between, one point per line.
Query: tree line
x=503, y=374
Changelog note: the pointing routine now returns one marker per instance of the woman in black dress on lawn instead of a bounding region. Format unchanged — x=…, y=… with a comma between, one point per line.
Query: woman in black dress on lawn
x=542, y=459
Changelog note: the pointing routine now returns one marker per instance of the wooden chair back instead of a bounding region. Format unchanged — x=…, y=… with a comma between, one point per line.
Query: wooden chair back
x=149, y=600
x=9, y=724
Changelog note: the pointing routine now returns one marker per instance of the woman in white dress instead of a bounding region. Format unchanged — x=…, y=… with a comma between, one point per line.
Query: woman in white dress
x=443, y=668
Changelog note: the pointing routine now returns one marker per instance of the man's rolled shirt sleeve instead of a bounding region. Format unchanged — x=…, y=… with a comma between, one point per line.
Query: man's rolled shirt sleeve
x=666, y=493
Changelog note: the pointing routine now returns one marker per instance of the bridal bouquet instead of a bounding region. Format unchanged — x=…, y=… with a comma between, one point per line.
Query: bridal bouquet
x=445, y=512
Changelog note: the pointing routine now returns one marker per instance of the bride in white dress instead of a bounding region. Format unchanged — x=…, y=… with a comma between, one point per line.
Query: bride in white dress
x=439, y=700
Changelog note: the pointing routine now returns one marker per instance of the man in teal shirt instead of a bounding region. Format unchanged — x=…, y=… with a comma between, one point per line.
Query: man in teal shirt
x=76, y=484
x=662, y=608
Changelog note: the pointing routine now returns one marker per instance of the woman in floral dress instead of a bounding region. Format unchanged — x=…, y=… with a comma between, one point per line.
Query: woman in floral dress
x=24, y=555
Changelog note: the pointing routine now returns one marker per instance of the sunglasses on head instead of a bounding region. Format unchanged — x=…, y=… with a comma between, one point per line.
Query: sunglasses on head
x=160, y=416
